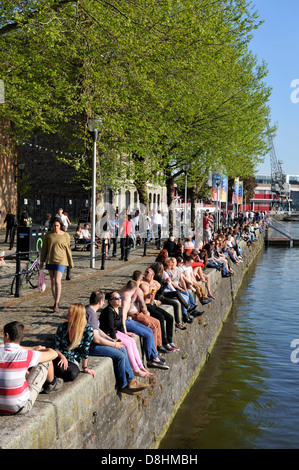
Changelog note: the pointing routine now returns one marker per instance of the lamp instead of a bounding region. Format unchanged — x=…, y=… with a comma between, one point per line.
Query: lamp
x=217, y=182
x=186, y=167
x=93, y=127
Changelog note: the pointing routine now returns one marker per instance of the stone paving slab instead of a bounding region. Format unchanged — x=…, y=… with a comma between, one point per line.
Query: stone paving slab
x=34, y=309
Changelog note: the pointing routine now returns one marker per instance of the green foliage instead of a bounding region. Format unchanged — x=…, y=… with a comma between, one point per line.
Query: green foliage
x=174, y=81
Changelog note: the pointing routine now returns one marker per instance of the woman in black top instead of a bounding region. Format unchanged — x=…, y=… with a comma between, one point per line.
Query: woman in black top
x=112, y=324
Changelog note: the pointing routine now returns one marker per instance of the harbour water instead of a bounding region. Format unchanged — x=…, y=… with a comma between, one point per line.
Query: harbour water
x=247, y=395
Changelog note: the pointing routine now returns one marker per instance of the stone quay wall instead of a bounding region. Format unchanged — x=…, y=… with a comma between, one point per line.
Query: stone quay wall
x=90, y=414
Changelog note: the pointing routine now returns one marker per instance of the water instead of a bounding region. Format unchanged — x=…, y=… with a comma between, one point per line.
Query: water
x=247, y=395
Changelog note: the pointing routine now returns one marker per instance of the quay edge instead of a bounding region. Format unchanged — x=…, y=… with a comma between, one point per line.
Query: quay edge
x=90, y=414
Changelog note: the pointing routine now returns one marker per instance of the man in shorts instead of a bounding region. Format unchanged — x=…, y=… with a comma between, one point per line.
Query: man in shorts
x=24, y=372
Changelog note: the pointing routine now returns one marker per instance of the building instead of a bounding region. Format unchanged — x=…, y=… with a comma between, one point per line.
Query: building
x=8, y=174
x=47, y=183
x=264, y=199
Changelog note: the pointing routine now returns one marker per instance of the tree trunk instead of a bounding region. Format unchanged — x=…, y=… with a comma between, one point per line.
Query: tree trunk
x=170, y=200
x=142, y=193
x=193, y=197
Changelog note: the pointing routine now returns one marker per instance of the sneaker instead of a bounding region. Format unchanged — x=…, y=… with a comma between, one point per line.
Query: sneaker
x=170, y=348
x=179, y=326
x=162, y=349
x=197, y=313
x=187, y=319
x=49, y=388
x=174, y=347
x=191, y=309
x=207, y=301
x=157, y=365
x=161, y=359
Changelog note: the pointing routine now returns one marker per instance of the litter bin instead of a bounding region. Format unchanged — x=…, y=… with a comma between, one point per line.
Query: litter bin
x=30, y=239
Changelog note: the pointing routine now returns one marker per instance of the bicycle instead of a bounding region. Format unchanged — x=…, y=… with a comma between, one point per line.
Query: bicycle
x=30, y=275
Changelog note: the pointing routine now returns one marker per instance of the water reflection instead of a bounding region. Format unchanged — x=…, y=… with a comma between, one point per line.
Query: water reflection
x=246, y=396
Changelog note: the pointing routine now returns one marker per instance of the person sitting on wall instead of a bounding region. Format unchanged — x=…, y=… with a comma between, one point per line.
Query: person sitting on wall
x=24, y=372
x=111, y=319
x=170, y=246
x=149, y=288
x=168, y=295
x=188, y=245
x=71, y=342
x=191, y=282
x=142, y=314
x=170, y=269
x=197, y=266
x=105, y=346
x=128, y=296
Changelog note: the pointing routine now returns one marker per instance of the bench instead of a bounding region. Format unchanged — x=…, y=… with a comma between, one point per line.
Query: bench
x=80, y=244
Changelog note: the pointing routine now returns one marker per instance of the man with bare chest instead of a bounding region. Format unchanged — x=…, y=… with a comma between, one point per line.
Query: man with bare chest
x=149, y=288
x=130, y=300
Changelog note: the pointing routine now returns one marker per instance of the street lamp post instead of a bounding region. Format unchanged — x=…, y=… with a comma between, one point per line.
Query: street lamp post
x=245, y=195
x=217, y=182
x=93, y=127
x=186, y=168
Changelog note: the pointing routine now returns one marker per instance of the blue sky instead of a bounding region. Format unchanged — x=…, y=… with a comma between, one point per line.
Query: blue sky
x=277, y=42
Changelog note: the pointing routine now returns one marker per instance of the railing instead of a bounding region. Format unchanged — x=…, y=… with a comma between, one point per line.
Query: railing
x=280, y=228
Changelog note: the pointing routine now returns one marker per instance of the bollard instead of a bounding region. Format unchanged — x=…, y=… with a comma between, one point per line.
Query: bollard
x=103, y=254
x=144, y=246
x=18, y=275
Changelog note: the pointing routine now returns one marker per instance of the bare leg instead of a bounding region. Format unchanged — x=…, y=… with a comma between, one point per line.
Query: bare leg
x=51, y=274
x=50, y=375
x=57, y=288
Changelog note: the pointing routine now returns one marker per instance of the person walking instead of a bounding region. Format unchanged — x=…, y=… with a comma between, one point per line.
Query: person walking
x=56, y=253
x=9, y=220
x=125, y=244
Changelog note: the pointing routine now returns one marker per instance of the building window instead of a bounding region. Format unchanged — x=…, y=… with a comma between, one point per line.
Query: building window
x=128, y=198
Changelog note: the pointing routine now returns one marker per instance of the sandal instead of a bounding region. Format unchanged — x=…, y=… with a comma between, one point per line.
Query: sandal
x=179, y=326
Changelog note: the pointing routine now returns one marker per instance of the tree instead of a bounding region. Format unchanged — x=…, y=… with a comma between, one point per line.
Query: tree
x=173, y=80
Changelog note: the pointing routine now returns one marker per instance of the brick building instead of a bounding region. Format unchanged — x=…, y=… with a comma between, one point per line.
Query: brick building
x=45, y=184
x=8, y=174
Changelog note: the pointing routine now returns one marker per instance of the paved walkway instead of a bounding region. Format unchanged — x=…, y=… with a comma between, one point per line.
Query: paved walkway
x=34, y=309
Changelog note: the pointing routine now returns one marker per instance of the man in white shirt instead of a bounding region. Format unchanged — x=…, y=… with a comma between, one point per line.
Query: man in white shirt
x=24, y=372
x=86, y=233
x=64, y=218
x=157, y=222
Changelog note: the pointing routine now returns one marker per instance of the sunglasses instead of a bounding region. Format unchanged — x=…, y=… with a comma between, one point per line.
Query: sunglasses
x=116, y=298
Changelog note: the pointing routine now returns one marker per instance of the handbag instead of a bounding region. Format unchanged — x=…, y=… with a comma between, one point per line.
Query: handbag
x=41, y=281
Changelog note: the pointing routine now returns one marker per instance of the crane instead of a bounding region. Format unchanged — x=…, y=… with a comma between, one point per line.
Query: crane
x=279, y=188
